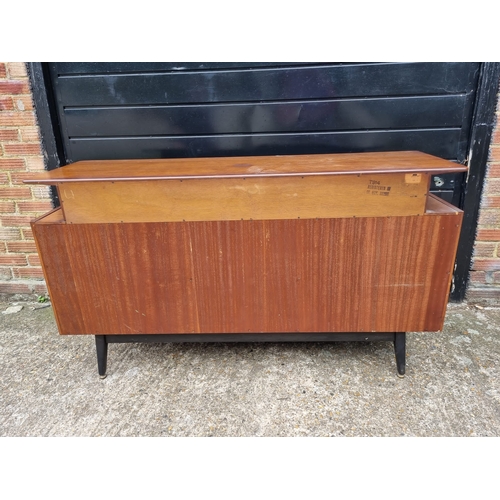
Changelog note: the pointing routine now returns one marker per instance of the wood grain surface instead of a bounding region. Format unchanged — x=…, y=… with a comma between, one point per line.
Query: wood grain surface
x=257, y=198
x=380, y=274
x=245, y=166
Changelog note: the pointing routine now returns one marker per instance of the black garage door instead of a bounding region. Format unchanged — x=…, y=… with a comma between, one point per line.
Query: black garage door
x=166, y=110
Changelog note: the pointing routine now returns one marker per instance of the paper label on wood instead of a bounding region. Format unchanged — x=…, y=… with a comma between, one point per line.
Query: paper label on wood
x=413, y=178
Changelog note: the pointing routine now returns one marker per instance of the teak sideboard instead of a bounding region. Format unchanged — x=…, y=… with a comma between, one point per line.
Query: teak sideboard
x=265, y=248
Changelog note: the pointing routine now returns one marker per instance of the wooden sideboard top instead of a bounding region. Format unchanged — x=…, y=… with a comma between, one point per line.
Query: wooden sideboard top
x=247, y=166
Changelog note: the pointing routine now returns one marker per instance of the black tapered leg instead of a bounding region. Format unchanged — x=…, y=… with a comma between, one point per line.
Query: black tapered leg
x=400, y=350
x=101, y=344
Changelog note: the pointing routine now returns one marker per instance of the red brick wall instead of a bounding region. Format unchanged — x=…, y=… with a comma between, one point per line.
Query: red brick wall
x=20, y=154
x=484, y=280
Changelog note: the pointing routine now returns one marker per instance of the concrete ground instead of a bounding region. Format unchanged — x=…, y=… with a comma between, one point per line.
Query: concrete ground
x=50, y=387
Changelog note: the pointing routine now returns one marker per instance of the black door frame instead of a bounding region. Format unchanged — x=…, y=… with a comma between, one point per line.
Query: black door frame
x=483, y=121
x=479, y=143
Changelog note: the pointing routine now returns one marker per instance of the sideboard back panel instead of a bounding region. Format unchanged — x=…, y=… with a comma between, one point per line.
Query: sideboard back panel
x=372, y=274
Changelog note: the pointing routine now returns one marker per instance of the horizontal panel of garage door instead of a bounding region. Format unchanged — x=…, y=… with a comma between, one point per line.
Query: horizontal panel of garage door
x=262, y=84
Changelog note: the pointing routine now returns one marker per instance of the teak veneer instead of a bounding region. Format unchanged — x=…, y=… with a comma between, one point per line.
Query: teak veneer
x=405, y=162
x=254, y=248
x=257, y=188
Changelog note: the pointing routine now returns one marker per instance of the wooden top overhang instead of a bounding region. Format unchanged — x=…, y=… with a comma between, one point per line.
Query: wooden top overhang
x=248, y=166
